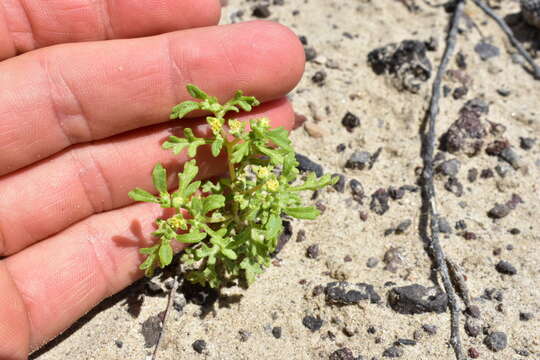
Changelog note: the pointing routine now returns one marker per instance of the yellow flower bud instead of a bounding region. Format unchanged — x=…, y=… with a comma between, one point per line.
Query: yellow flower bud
x=272, y=185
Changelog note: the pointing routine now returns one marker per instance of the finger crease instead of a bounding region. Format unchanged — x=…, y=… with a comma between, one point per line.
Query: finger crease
x=96, y=186
x=105, y=14
x=22, y=46
x=178, y=75
x=101, y=258
x=66, y=107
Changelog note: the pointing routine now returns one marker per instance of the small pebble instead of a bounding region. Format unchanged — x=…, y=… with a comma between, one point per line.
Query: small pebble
x=504, y=267
x=430, y=329
x=118, y=343
x=496, y=341
x=499, y=211
x=261, y=11
x=350, y=121
x=312, y=323
x=276, y=332
x=341, y=148
x=340, y=185
x=358, y=160
x=199, y=346
x=408, y=342
x=403, y=226
x=342, y=354
x=393, y=352
x=312, y=251
x=525, y=316
x=319, y=77
x=503, y=92
x=526, y=143
x=310, y=53
x=372, y=262
x=473, y=353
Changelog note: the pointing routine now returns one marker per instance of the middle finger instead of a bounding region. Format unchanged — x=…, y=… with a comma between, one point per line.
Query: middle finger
x=62, y=95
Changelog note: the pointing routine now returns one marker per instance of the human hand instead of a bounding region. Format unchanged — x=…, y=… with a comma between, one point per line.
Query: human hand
x=80, y=127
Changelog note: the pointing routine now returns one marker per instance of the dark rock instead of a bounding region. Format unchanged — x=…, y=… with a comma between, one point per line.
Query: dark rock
x=379, y=202
x=312, y=251
x=496, y=147
x=461, y=60
x=392, y=259
x=430, y=329
x=403, y=226
x=279, y=2
x=454, y=186
x=393, y=352
x=431, y=44
x=472, y=175
x=342, y=354
x=504, y=267
x=408, y=342
x=460, y=225
x=472, y=328
x=357, y=190
x=358, y=160
x=473, y=353
x=499, y=211
x=199, y=346
x=460, y=92
x=496, y=341
x=284, y=237
x=307, y=165
x=487, y=173
x=312, y=323
x=344, y=293
x=525, y=316
x=486, y=50
x=511, y=157
x=310, y=53
x=514, y=201
x=319, y=77
x=473, y=311
x=119, y=344
x=350, y=121
x=372, y=262
x=261, y=11
x=150, y=330
x=396, y=193
x=526, y=143
x=317, y=290
x=416, y=299
x=301, y=236
x=449, y=167
x=341, y=148
x=340, y=185
x=405, y=62
x=467, y=132
x=276, y=332
x=303, y=39
x=503, y=92
x=444, y=226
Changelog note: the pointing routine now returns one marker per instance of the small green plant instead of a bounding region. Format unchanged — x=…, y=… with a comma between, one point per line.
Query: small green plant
x=233, y=224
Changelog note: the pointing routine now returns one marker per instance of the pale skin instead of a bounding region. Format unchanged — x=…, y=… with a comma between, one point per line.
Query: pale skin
x=86, y=88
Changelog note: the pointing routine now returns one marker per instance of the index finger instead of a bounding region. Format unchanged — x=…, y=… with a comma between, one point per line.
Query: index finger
x=30, y=24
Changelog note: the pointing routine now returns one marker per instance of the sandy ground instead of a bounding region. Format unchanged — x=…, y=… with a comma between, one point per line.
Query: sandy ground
x=390, y=119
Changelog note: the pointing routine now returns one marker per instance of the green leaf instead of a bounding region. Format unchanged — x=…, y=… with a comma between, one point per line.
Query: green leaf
x=307, y=213
x=273, y=226
x=274, y=155
x=165, y=254
x=176, y=144
x=159, y=178
x=182, y=109
x=197, y=93
x=149, y=262
x=138, y=194
x=229, y=253
x=149, y=250
x=314, y=183
x=216, y=146
x=240, y=151
x=191, y=237
x=280, y=137
x=187, y=175
x=196, y=206
x=213, y=202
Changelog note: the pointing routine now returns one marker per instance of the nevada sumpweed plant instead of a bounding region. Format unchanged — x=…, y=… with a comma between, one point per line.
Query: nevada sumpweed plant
x=233, y=224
